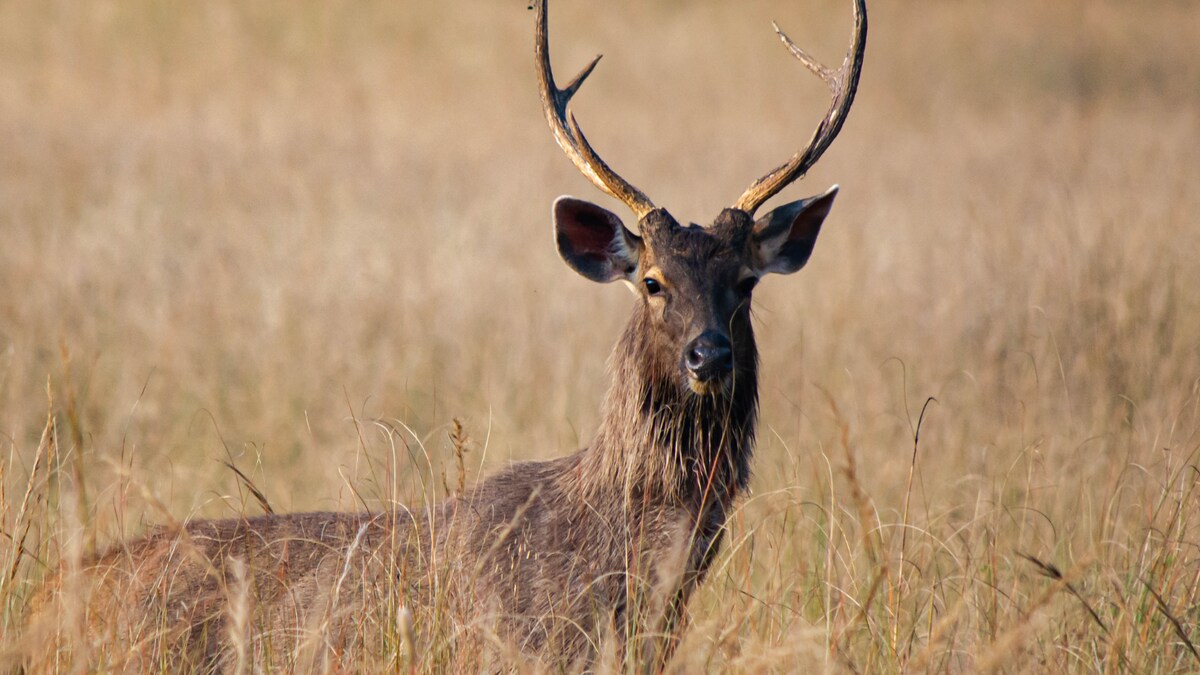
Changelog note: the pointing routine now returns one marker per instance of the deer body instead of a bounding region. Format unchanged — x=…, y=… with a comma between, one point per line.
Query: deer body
x=569, y=561
x=556, y=564
x=611, y=538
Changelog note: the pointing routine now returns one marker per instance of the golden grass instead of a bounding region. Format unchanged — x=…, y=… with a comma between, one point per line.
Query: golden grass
x=242, y=231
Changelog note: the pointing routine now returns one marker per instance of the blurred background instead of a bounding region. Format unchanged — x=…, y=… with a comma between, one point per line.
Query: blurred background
x=270, y=232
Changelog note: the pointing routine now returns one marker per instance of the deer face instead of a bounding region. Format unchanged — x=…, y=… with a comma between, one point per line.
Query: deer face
x=694, y=283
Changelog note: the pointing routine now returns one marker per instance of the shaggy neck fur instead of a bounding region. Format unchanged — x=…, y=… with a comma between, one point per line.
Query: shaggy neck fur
x=657, y=439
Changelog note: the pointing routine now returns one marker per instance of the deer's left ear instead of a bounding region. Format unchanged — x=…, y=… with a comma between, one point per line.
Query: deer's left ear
x=783, y=239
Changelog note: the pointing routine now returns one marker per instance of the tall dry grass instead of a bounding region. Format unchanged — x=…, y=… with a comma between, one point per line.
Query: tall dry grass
x=245, y=231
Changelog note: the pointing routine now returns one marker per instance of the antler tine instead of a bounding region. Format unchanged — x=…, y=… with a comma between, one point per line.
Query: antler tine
x=844, y=84
x=566, y=131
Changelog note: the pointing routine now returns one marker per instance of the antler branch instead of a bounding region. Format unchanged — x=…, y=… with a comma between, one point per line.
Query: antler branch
x=566, y=130
x=844, y=84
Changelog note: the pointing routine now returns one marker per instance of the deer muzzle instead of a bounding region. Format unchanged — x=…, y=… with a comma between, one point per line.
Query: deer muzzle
x=708, y=358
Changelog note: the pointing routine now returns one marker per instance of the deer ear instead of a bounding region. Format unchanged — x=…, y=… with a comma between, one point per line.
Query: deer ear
x=594, y=242
x=784, y=238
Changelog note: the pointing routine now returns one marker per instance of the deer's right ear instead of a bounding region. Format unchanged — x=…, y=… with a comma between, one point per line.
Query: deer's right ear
x=594, y=242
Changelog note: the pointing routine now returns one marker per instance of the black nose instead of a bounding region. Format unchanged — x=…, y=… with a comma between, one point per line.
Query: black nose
x=708, y=356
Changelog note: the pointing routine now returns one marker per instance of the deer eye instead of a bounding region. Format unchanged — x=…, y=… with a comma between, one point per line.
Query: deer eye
x=746, y=285
x=652, y=286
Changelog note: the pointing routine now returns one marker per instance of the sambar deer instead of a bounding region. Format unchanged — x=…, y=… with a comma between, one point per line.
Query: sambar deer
x=575, y=561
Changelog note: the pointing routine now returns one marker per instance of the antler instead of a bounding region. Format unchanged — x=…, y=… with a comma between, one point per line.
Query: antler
x=566, y=129
x=844, y=84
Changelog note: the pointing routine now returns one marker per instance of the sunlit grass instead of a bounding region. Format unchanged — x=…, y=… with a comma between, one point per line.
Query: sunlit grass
x=247, y=231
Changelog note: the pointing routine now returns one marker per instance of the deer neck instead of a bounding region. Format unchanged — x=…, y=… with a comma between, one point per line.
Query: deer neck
x=658, y=440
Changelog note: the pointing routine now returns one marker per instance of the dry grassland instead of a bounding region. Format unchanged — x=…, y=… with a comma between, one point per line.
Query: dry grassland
x=275, y=233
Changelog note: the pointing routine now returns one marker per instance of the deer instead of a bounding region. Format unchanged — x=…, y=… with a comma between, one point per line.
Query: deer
x=574, y=562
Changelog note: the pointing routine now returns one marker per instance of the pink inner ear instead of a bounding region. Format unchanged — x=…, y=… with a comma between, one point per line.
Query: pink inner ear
x=809, y=221
x=589, y=233
x=804, y=230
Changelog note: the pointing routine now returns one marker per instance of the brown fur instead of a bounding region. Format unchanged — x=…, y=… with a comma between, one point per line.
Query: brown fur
x=551, y=558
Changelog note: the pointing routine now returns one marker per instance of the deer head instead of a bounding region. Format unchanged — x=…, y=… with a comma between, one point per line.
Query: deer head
x=695, y=283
